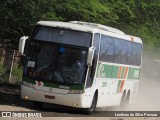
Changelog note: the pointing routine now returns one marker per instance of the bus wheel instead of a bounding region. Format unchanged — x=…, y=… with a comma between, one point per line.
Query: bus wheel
x=93, y=105
x=128, y=97
x=125, y=100
x=37, y=105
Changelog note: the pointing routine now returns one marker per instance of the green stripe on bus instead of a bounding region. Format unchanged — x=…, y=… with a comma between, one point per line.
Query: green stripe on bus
x=117, y=72
x=27, y=79
x=134, y=73
x=104, y=71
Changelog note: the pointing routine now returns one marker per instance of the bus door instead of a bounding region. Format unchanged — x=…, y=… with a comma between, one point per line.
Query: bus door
x=92, y=69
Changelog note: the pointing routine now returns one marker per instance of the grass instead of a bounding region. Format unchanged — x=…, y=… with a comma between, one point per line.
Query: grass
x=17, y=72
x=15, y=77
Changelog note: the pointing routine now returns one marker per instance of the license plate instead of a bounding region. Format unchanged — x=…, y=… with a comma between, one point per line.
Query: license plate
x=49, y=97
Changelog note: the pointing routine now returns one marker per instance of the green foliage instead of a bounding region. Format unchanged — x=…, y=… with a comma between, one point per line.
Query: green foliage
x=17, y=74
x=137, y=17
x=19, y=16
x=2, y=70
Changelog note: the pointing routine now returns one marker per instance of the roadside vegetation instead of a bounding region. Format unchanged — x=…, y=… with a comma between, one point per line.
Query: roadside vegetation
x=136, y=17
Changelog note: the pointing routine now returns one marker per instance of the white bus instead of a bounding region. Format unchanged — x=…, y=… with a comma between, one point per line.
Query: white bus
x=80, y=64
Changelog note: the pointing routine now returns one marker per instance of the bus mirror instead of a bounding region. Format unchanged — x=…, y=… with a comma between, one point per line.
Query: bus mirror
x=90, y=56
x=22, y=42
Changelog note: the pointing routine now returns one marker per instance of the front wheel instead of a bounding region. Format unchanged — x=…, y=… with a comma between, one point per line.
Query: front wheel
x=93, y=105
x=37, y=105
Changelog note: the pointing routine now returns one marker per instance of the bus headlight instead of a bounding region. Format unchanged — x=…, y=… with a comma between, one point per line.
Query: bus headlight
x=26, y=97
x=76, y=92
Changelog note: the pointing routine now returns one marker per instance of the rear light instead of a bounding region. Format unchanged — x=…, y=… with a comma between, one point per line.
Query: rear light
x=76, y=92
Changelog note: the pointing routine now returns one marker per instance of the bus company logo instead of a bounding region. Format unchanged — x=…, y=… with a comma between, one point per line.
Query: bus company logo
x=64, y=87
x=101, y=71
x=104, y=84
x=136, y=74
x=6, y=114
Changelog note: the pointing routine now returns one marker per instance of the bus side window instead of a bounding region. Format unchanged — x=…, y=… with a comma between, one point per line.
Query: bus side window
x=129, y=53
x=96, y=45
x=107, y=49
x=103, y=48
x=134, y=53
x=136, y=57
x=110, y=50
x=118, y=50
x=124, y=52
x=139, y=49
x=115, y=50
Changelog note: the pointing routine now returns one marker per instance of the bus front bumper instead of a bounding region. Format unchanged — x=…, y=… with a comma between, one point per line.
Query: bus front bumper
x=72, y=100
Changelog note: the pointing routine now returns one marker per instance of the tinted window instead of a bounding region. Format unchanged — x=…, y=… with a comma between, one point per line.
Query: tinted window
x=110, y=50
x=103, y=49
x=139, y=49
x=129, y=53
x=96, y=42
x=63, y=36
x=136, y=54
x=124, y=51
x=120, y=51
x=107, y=49
x=55, y=63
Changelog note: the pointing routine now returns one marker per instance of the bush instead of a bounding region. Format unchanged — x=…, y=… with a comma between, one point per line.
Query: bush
x=17, y=73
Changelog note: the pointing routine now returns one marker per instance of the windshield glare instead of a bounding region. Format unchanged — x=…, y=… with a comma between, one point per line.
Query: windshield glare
x=56, y=63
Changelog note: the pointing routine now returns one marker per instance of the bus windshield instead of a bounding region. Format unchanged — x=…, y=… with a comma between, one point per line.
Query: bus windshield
x=56, y=63
x=62, y=36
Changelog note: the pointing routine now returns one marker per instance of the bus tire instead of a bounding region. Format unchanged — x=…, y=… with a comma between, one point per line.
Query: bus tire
x=125, y=100
x=93, y=105
x=37, y=104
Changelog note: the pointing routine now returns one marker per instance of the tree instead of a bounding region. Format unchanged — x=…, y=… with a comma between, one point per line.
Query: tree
x=137, y=17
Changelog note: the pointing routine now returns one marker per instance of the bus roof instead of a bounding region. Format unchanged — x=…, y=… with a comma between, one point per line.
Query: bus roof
x=99, y=26
x=110, y=31
x=90, y=27
x=79, y=25
x=66, y=25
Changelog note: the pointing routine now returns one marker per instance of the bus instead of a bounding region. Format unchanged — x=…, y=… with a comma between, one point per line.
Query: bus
x=80, y=64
